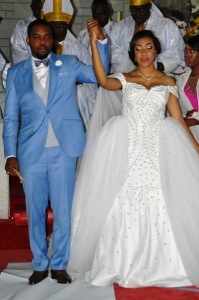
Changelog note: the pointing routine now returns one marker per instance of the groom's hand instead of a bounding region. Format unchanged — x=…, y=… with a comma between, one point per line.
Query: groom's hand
x=93, y=25
x=11, y=166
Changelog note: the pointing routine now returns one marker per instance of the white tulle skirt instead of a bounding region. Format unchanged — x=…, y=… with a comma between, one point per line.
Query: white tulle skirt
x=168, y=254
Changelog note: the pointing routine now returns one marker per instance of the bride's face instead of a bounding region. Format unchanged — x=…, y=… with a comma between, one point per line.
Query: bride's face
x=145, y=51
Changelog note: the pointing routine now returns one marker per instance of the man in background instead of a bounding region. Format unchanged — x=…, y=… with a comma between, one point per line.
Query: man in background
x=101, y=11
x=145, y=15
x=18, y=46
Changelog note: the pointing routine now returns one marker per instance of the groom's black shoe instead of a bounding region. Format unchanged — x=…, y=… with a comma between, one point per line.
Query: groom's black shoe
x=61, y=275
x=37, y=276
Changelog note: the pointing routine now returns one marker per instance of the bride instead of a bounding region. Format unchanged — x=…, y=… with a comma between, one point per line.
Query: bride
x=135, y=214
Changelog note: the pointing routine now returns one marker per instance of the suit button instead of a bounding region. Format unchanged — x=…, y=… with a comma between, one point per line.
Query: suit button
x=47, y=111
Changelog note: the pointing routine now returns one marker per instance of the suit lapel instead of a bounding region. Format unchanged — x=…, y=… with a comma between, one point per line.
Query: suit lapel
x=52, y=80
x=54, y=74
x=28, y=75
x=28, y=85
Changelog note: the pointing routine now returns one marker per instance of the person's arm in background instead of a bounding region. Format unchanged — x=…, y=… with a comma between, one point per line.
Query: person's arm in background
x=2, y=66
x=175, y=112
x=119, y=44
x=172, y=56
x=18, y=46
x=190, y=116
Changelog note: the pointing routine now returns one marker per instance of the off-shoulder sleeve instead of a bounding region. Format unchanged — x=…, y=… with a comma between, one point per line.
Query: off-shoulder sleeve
x=119, y=76
x=173, y=90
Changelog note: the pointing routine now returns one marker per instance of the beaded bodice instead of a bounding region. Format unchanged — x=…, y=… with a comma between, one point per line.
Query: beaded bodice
x=144, y=110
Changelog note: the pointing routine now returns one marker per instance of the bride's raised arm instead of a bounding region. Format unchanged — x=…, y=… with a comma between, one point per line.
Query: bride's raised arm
x=108, y=83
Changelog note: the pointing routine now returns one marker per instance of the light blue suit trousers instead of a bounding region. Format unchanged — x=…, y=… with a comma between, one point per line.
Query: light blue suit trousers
x=54, y=169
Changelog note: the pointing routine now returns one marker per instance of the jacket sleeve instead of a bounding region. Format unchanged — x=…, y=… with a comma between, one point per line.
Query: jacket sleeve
x=11, y=117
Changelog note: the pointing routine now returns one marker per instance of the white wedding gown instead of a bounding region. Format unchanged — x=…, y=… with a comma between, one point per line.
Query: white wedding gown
x=135, y=220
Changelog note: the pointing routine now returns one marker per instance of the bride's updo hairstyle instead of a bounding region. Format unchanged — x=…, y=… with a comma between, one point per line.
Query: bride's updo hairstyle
x=139, y=35
x=193, y=42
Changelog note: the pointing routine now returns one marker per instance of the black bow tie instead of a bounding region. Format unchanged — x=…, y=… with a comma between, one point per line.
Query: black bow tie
x=45, y=62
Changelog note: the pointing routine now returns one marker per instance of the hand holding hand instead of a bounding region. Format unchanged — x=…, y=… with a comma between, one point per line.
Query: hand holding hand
x=190, y=113
x=94, y=30
x=191, y=122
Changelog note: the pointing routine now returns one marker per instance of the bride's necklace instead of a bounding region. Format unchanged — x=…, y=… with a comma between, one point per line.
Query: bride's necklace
x=148, y=79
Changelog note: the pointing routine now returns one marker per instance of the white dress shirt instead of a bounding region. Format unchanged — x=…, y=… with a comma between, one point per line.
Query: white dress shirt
x=41, y=72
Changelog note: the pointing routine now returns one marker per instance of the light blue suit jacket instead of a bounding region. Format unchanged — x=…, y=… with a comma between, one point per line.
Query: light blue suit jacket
x=21, y=99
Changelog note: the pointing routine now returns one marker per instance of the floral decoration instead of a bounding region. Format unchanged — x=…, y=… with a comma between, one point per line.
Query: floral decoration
x=191, y=28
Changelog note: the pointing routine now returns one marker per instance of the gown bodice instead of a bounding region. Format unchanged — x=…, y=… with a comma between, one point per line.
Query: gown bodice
x=144, y=110
x=144, y=106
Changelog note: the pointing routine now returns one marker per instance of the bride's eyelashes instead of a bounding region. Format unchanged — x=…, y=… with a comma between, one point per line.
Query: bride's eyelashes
x=139, y=49
x=144, y=47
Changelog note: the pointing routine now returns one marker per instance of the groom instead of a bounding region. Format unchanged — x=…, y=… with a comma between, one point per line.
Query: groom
x=41, y=92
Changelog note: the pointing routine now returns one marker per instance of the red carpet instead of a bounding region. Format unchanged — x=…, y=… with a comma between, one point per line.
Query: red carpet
x=14, y=244
x=155, y=293
x=14, y=256
x=13, y=236
x=14, y=239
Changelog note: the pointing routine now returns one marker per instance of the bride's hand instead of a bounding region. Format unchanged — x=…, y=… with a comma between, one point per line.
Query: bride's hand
x=91, y=32
x=191, y=122
x=190, y=113
x=94, y=30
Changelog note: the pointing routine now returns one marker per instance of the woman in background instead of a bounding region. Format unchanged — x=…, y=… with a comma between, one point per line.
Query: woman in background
x=188, y=85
